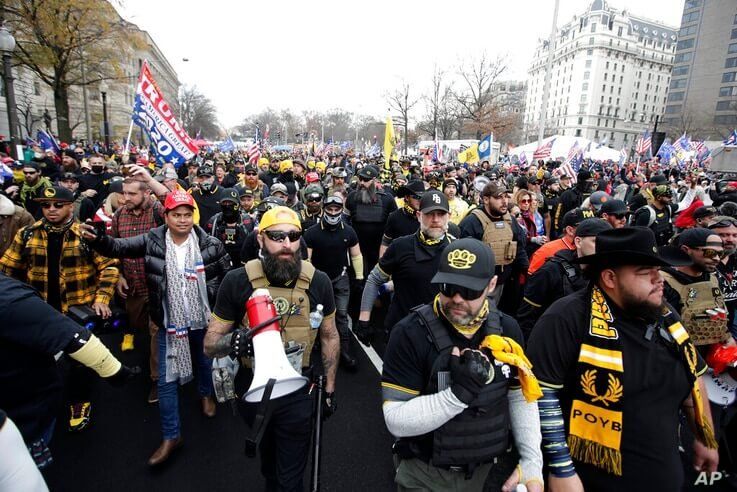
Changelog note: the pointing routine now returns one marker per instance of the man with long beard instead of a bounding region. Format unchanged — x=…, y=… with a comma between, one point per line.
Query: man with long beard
x=616, y=366
x=297, y=289
x=368, y=209
x=455, y=381
x=410, y=261
x=726, y=228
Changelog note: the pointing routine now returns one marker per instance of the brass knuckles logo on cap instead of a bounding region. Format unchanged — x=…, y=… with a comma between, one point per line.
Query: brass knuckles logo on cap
x=461, y=259
x=49, y=192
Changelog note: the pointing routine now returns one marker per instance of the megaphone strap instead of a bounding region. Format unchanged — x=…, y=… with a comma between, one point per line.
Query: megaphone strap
x=260, y=421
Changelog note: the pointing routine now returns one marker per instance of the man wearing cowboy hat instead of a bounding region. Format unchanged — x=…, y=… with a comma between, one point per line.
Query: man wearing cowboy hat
x=616, y=366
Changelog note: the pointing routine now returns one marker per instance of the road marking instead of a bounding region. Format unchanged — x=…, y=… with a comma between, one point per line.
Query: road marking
x=369, y=351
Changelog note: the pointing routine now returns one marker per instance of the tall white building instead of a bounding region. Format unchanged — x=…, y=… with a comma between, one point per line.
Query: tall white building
x=609, y=79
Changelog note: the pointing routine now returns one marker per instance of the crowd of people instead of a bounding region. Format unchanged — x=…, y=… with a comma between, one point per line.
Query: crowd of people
x=583, y=324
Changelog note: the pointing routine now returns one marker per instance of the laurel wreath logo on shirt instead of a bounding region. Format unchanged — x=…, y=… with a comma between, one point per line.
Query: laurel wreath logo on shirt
x=613, y=392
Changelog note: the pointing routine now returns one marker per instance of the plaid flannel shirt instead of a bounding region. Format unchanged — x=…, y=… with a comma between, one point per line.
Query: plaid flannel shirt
x=127, y=224
x=85, y=276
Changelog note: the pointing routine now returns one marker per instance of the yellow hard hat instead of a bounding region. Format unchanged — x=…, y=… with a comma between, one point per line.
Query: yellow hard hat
x=310, y=164
x=279, y=215
x=321, y=166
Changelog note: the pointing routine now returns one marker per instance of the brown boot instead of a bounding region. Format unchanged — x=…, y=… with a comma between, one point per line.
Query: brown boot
x=208, y=407
x=167, y=447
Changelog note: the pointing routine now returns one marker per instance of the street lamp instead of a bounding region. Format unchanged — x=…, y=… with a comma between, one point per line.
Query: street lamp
x=105, y=130
x=7, y=46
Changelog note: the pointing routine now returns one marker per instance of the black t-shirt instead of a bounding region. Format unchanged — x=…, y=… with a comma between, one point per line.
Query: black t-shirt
x=53, y=260
x=208, y=204
x=655, y=385
x=235, y=290
x=400, y=223
x=330, y=247
x=727, y=275
x=412, y=265
x=98, y=182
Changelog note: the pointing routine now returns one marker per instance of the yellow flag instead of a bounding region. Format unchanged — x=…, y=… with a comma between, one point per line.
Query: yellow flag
x=389, y=141
x=470, y=155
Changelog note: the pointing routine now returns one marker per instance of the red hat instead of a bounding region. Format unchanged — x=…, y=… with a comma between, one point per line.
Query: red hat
x=312, y=177
x=178, y=198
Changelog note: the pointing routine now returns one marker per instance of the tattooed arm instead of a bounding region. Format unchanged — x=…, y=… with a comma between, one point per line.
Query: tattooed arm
x=330, y=347
x=217, y=338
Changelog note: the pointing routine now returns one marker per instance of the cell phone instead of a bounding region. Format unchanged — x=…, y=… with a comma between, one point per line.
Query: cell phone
x=100, y=227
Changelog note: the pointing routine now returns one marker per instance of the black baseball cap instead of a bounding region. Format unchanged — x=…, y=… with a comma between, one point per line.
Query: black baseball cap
x=467, y=262
x=592, y=227
x=494, y=189
x=229, y=195
x=368, y=172
x=55, y=194
x=434, y=200
x=613, y=207
x=69, y=176
x=573, y=217
x=246, y=191
x=696, y=237
x=703, y=212
x=204, y=171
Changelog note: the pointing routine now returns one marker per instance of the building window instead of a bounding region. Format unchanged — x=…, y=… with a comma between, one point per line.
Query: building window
x=589, y=52
x=581, y=109
x=682, y=57
x=583, y=98
x=692, y=4
x=690, y=17
x=593, y=27
x=727, y=91
x=586, y=75
x=730, y=62
x=728, y=76
x=36, y=87
x=611, y=136
x=676, y=96
x=591, y=41
x=724, y=105
x=585, y=86
x=588, y=63
x=596, y=134
x=725, y=119
x=734, y=34
x=678, y=83
x=686, y=44
x=578, y=132
x=580, y=120
x=619, y=31
x=687, y=31
x=732, y=48
x=683, y=70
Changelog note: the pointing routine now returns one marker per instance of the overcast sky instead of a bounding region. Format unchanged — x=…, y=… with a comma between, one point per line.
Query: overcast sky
x=322, y=54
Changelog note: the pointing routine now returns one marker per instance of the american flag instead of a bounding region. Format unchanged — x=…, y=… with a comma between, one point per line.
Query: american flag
x=622, y=156
x=682, y=144
x=543, y=152
x=644, y=143
x=437, y=153
x=253, y=153
x=567, y=167
x=731, y=139
x=522, y=159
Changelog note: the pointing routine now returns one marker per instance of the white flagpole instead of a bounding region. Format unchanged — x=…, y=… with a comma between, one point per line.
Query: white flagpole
x=128, y=141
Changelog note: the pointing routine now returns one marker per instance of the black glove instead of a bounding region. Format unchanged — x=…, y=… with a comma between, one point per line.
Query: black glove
x=240, y=343
x=469, y=373
x=364, y=332
x=123, y=375
x=329, y=405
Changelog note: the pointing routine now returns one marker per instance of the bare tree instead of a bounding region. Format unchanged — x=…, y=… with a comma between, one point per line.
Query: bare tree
x=437, y=102
x=197, y=113
x=401, y=101
x=24, y=105
x=477, y=98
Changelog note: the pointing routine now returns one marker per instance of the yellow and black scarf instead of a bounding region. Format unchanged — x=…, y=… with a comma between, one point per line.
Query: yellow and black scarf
x=596, y=418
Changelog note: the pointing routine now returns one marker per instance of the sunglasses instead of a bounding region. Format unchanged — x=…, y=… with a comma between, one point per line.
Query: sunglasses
x=313, y=199
x=450, y=290
x=416, y=196
x=712, y=253
x=251, y=174
x=280, y=236
x=56, y=205
x=525, y=200
x=364, y=180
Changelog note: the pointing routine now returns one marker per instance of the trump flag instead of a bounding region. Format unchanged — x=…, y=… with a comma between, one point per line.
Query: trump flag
x=152, y=113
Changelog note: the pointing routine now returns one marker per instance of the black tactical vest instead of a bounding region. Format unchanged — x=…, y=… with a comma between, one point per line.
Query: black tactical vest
x=481, y=432
x=370, y=212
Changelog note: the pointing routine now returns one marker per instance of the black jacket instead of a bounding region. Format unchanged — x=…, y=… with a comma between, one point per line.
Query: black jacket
x=152, y=247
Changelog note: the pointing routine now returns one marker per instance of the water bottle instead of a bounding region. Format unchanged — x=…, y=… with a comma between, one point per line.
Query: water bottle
x=316, y=317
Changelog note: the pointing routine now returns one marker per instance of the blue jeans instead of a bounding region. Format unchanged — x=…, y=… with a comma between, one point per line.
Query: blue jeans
x=169, y=393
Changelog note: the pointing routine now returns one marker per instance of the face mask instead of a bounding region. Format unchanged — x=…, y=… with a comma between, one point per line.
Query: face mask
x=206, y=186
x=97, y=169
x=331, y=220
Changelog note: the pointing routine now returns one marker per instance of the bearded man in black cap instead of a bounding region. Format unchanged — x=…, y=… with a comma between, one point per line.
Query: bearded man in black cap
x=410, y=261
x=456, y=380
x=368, y=209
x=616, y=366
x=403, y=222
